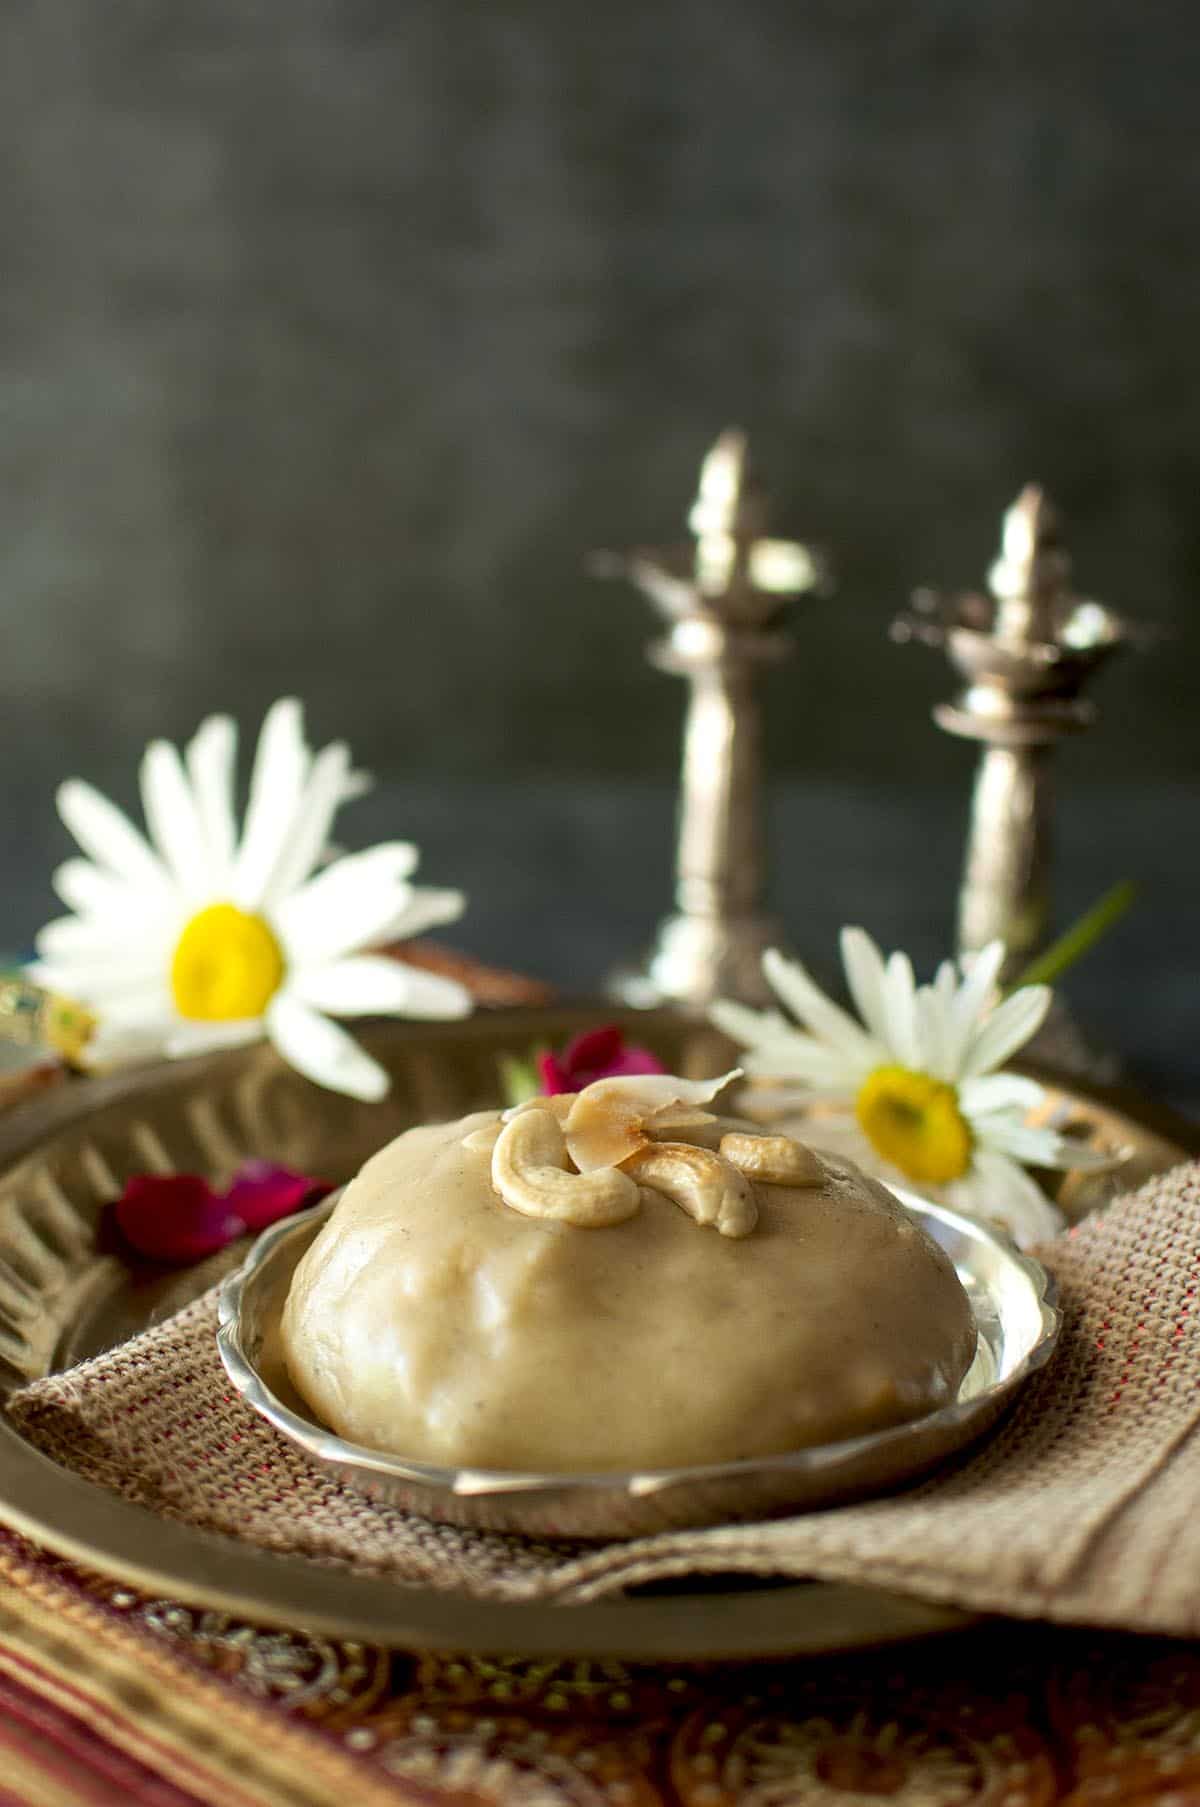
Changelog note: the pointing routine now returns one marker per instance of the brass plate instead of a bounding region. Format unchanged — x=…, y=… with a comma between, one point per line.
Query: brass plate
x=63, y=1156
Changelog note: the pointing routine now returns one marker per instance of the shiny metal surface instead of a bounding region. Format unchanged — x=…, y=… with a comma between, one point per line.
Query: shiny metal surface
x=724, y=600
x=1014, y=1313
x=1024, y=652
x=64, y=1296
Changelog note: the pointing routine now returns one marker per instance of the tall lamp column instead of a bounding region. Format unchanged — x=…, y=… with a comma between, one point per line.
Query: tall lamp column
x=1024, y=651
x=724, y=598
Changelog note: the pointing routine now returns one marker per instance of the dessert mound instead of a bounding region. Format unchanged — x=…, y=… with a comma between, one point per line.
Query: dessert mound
x=618, y=1280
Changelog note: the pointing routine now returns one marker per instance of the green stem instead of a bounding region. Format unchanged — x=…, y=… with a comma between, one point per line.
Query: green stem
x=519, y=1079
x=1080, y=938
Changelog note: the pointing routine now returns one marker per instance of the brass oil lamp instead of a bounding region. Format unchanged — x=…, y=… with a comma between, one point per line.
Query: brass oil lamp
x=724, y=598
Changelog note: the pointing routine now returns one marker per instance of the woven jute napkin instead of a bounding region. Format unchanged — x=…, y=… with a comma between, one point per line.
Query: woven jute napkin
x=1081, y=1507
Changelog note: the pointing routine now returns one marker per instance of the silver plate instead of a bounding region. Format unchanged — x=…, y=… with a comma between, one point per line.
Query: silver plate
x=1018, y=1325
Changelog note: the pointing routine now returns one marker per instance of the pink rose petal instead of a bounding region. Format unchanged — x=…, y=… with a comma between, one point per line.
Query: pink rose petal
x=596, y=1054
x=594, y=1051
x=178, y=1218
x=554, y=1075
x=262, y=1194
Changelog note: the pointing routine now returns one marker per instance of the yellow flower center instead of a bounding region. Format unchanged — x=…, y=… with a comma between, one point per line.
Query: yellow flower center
x=227, y=965
x=914, y=1122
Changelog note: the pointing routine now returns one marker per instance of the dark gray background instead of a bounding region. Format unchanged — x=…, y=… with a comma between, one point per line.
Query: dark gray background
x=332, y=335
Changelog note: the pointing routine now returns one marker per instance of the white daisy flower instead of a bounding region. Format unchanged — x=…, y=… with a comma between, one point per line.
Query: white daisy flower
x=911, y=1091
x=190, y=938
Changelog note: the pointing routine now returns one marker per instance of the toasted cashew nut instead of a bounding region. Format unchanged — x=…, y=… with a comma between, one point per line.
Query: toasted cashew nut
x=774, y=1160
x=700, y=1182
x=529, y=1171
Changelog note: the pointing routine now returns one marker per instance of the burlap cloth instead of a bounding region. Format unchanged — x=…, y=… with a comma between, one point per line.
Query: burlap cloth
x=1084, y=1506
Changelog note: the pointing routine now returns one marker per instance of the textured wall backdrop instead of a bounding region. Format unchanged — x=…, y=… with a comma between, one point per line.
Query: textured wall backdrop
x=333, y=334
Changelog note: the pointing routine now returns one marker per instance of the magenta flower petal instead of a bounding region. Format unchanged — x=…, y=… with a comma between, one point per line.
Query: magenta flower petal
x=261, y=1194
x=178, y=1218
x=596, y=1054
x=594, y=1051
x=635, y=1060
x=175, y=1217
x=554, y=1075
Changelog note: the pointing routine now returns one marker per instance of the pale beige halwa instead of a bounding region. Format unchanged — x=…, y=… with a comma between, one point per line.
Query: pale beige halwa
x=432, y=1320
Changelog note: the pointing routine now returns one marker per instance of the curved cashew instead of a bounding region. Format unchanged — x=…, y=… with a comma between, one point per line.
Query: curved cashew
x=774, y=1160
x=530, y=1172
x=700, y=1182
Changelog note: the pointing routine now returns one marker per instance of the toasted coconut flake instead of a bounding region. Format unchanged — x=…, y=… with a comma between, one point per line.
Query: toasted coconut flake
x=483, y=1140
x=557, y=1103
x=680, y=1123
x=649, y=1092
x=611, y=1119
x=603, y=1139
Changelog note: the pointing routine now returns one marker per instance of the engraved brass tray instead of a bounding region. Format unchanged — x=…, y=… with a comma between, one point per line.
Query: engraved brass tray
x=64, y=1155
x=1014, y=1313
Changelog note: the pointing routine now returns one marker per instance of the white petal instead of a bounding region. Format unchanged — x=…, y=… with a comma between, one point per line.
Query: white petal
x=373, y=985
x=1008, y=1028
x=211, y=761
x=91, y=891
x=945, y=983
x=357, y=785
x=803, y=1058
x=281, y=766
x=108, y=835
x=117, y=1047
x=865, y=976
x=1037, y=1147
x=173, y=820
x=134, y=1024
x=999, y=1191
x=43, y=973
x=973, y=1000
x=299, y=852
x=427, y=907
x=999, y=1092
x=69, y=936
x=832, y=1134
x=750, y=1028
x=349, y=905
x=142, y=1007
x=1010, y=1134
x=322, y=1052
x=96, y=981
x=817, y=1012
x=186, y=1039
x=123, y=947
x=933, y=1033
x=900, y=1003
x=1069, y=1155
x=65, y=976
x=771, y=1102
